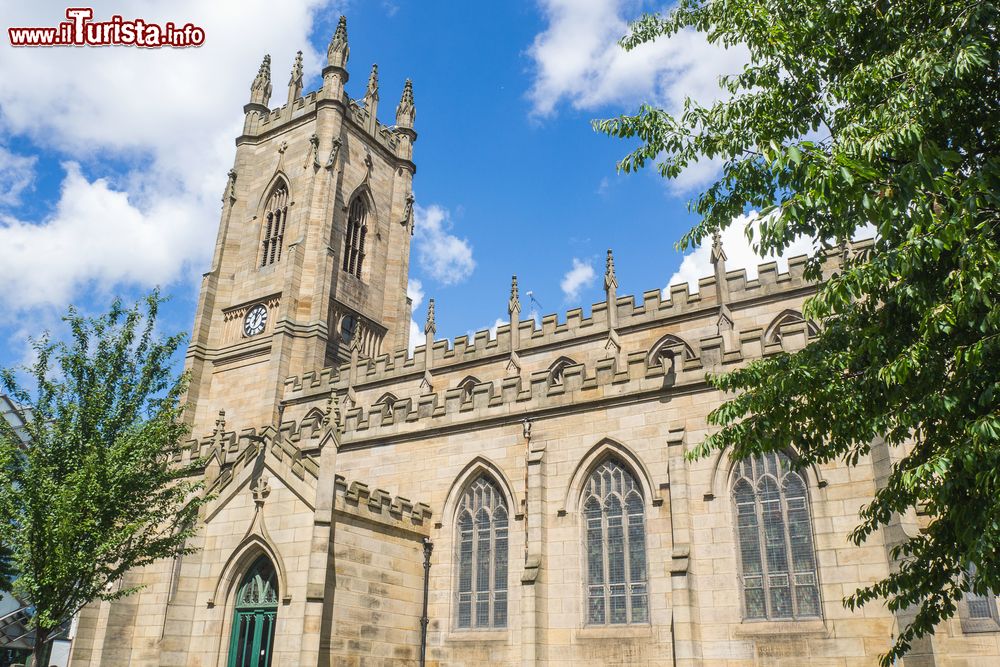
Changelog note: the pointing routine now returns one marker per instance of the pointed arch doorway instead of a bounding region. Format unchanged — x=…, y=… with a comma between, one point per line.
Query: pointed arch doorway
x=254, y=616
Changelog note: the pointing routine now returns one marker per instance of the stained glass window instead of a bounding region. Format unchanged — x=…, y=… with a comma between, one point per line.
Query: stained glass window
x=774, y=537
x=615, y=547
x=482, y=557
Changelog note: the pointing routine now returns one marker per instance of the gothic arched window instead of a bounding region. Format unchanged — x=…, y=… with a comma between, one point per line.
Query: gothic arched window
x=777, y=560
x=482, y=557
x=615, y=541
x=254, y=616
x=354, y=239
x=274, y=226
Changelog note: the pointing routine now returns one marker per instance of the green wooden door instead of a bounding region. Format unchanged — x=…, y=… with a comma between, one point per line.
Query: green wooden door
x=254, y=617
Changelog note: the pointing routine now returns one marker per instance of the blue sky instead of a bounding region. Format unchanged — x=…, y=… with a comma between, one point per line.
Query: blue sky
x=113, y=160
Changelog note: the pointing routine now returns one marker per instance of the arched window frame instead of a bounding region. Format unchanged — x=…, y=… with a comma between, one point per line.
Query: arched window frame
x=355, y=235
x=978, y=612
x=385, y=403
x=669, y=353
x=615, y=563
x=557, y=369
x=255, y=612
x=273, y=224
x=786, y=317
x=482, y=541
x=775, y=545
x=467, y=384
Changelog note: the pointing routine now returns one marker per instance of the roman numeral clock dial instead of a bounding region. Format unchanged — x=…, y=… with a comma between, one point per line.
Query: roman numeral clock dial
x=255, y=321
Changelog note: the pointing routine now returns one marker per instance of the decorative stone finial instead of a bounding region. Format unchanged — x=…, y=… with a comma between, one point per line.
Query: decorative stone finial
x=514, y=310
x=406, y=112
x=295, y=82
x=717, y=251
x=220, y=423
x=609, y=274
x=338, y=51
x=260, y=89
x=430, y=328
x=611, y=291
x=719, y=263
x=332, y=414
x=371, y=93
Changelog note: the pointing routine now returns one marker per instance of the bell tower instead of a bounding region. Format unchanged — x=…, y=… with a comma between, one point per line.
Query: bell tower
x=312, y=254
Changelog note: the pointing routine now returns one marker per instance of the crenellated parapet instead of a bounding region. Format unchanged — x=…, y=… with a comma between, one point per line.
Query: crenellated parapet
x=296, y=445
x=358, y=499
x=736, y=335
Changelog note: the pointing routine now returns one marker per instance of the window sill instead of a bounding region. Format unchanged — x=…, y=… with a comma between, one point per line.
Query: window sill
x=763, y=628
x=973, y=626
x=615, y=632
x=478, y=635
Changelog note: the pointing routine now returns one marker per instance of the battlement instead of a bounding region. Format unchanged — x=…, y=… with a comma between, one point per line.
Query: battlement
x=357, y=498
x=278, y=117
x=658, y=307
x=297, y=444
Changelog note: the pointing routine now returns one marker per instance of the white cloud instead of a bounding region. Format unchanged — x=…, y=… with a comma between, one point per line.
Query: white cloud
x=415, y=290
x=445, y=257
x=740, y=253
x=578, y=60
x=578, y=277
x=492, y=330
x=96, y=236
x=17, y=172
x=173, y=113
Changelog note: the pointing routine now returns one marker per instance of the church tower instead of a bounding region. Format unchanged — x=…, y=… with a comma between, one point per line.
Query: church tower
x=312, y=256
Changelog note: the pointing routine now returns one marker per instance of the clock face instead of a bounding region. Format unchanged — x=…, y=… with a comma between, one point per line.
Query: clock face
x=255, y=320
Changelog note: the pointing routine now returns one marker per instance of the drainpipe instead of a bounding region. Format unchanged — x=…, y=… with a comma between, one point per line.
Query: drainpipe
x=424, y=619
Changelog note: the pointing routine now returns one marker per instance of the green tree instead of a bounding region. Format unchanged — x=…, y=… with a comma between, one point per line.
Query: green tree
x=852, y=113
x=95, y=490
x=6, y=569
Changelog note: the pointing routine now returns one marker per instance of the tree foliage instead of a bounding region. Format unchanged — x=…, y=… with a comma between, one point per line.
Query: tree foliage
x=857, y=113
x=94, y=491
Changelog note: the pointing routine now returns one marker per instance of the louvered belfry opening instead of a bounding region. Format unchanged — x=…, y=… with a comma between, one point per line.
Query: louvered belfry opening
x=774, y=532
x=482, y=557
x=615, y=542
x=354, y=240
x=274, y=226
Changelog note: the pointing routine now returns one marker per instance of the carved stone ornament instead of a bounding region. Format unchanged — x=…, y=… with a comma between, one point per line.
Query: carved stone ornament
x=260, y=490
x=331, y=161
x=314, y=142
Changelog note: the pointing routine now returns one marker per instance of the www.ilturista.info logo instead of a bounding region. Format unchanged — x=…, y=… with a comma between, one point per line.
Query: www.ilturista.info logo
x=79, y=30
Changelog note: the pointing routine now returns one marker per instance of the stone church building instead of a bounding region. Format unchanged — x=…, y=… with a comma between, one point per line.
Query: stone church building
x=517, y=499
